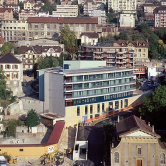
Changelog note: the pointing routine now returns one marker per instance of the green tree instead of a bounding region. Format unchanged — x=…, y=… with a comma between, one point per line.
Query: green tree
x=154, y=107
x=21, y=4
x=68, y=38
x=47, y=62
x=49, y=7
x=32, y=119
x=7, y=47
x=123, y=36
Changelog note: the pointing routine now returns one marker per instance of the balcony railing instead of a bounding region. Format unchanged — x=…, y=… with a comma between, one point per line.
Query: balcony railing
x=103, y=78
x=98, y=94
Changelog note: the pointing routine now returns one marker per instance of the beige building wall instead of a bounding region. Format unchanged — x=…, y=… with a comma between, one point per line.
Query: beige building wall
x=28, y=5
x=14, y=77
x=66, y=10
x=71, y=112
x=14, y=30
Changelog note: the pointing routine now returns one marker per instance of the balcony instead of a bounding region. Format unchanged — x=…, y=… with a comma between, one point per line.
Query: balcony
x=67, y=95
x=95, y=79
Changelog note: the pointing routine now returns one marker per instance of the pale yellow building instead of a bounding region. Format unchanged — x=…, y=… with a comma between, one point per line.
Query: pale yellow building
x=139, y=47
x=29, y=4
x=136, y=144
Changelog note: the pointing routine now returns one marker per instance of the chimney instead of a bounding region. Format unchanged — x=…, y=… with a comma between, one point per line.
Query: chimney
x=153, y=128
x=148, y=123
x=112, y=145
x=140, y=117
x=12, y=50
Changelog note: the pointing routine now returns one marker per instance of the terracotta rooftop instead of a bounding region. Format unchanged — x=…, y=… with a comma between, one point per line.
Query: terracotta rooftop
x=63, y=20
x=131, y=124
x=9, y=58
x=56, y=133
x=90, y=34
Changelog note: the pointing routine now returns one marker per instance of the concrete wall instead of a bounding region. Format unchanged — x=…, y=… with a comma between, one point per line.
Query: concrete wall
x=56, y=96
x=84, y=64
x=41, y=84
x=16, y=107
x=30, y=103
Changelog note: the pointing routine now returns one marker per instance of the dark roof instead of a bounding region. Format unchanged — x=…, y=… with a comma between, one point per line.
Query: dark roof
x=137, y=43
x=63, y=20
x=38, y=49
x=131, y=124
x=2, y=10
x=56, y=133
x=83, y=133
x=156, y=10
x=90, y=34
x=9, y=58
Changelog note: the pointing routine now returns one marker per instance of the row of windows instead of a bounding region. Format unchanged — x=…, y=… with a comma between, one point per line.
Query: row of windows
x=139, y=152
x=117, y=106
x=9, y=67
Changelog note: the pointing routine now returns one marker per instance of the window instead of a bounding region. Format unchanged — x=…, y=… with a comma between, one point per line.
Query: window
x=102, y=106
x=91, y=109
x=126, y=103
x=116, y=104
x=7, y=66
x=110, y=105
x=116, y=157
x=78, y=111
x=139, y=150
x=36, y=26
x=98, y=108
x=21, y=150
x=162, y=158
x=48, y=25
x=86, y=110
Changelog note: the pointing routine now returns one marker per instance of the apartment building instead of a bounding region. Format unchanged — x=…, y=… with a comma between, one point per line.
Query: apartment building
x=160, y=17
x=30, y=54
x=127, y=20
x=83, y=90
x=122, y=5
x=66, y=11
x=114, y=54
x=108, y=30
x=149, y=8
x=25, y=13
x=29, y=4
x=12, y=68
x=89, y=6
x=13, y=30
x=97, y=13
x=46, y=27
x=11, y=2
x=139, y=47
x=14, y=7
x=6, y=13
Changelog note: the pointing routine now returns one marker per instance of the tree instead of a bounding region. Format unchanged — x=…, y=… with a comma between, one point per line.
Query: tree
x=123, y=36
x=47, y=62
x=154, y=107
x=7, y=47
x=68, y=38
x=49, y=7
x=32, y=119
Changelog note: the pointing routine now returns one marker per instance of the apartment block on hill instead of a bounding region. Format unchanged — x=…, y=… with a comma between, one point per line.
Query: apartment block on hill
x=85, y=90
x=66, y=11
x=46, y=27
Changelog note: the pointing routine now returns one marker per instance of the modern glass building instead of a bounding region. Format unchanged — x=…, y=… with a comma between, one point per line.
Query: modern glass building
x=80, y=93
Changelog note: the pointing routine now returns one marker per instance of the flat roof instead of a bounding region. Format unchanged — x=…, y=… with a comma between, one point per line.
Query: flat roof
x=87, y=70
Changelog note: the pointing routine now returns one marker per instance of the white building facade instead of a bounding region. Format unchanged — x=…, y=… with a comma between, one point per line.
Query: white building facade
x=127, y=20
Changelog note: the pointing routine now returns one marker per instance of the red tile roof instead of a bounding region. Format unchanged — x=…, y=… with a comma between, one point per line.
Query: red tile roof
x=63, y=20
x=56, y=133
x=2, y=10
